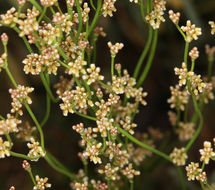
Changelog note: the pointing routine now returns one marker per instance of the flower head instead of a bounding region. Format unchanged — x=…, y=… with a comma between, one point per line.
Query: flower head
x=41, y=183
x=192, y=32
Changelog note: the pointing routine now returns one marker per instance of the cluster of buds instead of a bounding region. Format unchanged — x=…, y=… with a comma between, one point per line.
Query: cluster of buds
x=192, y=32
x=179, y=98
x=156, y=16
x=93, y=74
x=4, y=148
x=194, y=172
x=185, y=131
x=19, y=97
x=25, y=132
x=29, y=24
x=178, y=156
x=174, y=17
x=129, y=172
x=85, y=12
x=197, y=85
x=35, y=149
x=194, y=53
x=108, y=8
x=114, y=48
x=207, y=152
x=77, y=67
x=193, y=169
x=2, y=61
x=75, y=100
x=111, y=172
x=92, y=151
x=9, y=125
x=48, y=3
x=9, y=17
x=41, y=183
x=63, y=21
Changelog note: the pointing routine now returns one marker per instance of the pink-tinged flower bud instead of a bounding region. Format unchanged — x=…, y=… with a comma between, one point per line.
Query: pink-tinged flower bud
x=21, y=2
x=26, y=165
x=118, y=66
x=4, y=38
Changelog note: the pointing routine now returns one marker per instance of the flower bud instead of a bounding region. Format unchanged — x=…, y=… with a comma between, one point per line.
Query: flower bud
x=26, y=165
x=4, y=38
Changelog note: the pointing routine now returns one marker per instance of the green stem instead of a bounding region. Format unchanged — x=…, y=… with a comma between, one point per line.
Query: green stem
x=197, y=110
x=37, y=124
x=18, y=155
x=112, y=65
x=142, y=11
x=42, y=14
x=186, y=52
x=109, y=184
x=34, y=3
x=182, y=33
x=181, y=177
x=144, y=53
x=28, y=109
x=148, y=6
x=202, y=186
x=60, y=170
x=62, y=54
x=131, y=185
x=211, y=188
x=11, y=77
x=86, y=116
x=2, y=118
x=210, y=66
x=56, y=161
x=130, y=137
x=92, y=4
x=95, y=19
x=63, y=64
x=58, y=7
x=104, y=85
x=32, y=177
x=193, y=65
x=25, y=40
x=149, y=61
x=9, y=139
x=52, y=10
x=47, y=87
x=48, y=108
x=80, y=23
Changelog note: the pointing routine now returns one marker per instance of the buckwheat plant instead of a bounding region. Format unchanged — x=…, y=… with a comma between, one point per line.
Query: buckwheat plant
x=61, y=43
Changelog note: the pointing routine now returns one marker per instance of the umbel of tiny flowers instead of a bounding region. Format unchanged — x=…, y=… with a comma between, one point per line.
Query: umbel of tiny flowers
x=114, y=48
x=4, y=148
x=178, y=156
x=192, y=32
x=194, y=53
x=207, y=152
x=194, y=172
x=41, y=183
x=174, y=17
x=156, y=16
